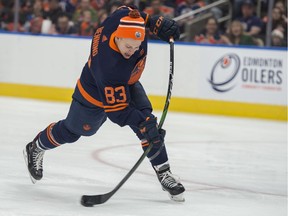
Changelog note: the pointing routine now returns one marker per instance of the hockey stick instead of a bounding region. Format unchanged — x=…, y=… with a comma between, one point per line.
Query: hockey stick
x=91, y=200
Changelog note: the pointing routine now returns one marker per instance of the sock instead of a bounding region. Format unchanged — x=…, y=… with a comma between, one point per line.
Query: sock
x=55, y=135
x=154, y=155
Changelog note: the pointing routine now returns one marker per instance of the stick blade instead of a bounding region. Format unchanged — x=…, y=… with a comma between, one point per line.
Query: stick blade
x=91, y=200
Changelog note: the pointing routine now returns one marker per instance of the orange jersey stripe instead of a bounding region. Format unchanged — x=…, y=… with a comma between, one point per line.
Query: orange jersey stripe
x=89, y=62
x=145, y=144
x=114, y=110
x=115, y=106
x=147, y=17
x=87, y=96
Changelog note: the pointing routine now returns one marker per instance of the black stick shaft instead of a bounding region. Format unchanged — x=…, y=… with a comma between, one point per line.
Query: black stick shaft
x=170, y=85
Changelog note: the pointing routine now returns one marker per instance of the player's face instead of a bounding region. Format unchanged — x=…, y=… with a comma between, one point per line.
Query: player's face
x=127, y=46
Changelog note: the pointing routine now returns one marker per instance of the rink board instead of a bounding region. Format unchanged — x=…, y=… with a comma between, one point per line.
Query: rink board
x=177, y=103
x=246, y=82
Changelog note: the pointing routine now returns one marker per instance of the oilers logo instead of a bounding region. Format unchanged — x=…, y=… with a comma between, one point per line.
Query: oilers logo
x=137, y=34
x=224, y=72
x=226, y=61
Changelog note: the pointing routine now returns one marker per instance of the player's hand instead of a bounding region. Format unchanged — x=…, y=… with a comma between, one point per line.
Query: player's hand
x=164, y=28
x=149, y=130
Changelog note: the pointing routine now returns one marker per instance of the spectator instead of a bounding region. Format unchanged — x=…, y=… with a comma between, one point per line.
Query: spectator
x=236, y=35
x=38, y=8
x=86, y=26
x=211, y=34
x=157, y=8
x=4, y=11
x=69, y=6
x=37, y=18
x=170, y=3
x=36, y=25
x=278, y=20
x=63, y=26
x=188, y=5
x=112, y=6
x=280, y=4
x=143, y=4
x=251, y=23
x=128, y=2
x=84, y=5
x=2, y=14
x=52, y=10
x=103, y=14
x=236, y=8
x=26, y=11
x=277, y=39
x=7, y=17
x=98, y=4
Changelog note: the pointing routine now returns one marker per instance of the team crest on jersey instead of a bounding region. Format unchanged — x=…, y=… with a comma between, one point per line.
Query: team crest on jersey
x=137, y=71
x=87, y=127
x=137, y=34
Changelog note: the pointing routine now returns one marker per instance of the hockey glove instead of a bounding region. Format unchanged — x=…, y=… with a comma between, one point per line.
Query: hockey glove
x=164, y=28
x=149, y=130
x=162, y=132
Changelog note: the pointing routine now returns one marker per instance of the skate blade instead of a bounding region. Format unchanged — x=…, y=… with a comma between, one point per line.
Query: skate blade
x=26, y=161
x=177, y=198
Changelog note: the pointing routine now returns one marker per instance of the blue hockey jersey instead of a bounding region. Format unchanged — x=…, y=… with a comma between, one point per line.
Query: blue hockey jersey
x=107, y=75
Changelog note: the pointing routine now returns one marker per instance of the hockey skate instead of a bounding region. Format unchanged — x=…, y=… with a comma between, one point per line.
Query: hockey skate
x=171, y=184
x=34, y=159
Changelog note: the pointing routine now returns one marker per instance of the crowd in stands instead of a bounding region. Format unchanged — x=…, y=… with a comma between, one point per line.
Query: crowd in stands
x=246, y=28
x=82, y=17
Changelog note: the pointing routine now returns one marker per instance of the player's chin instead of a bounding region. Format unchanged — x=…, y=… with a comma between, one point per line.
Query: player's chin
x=126, y=56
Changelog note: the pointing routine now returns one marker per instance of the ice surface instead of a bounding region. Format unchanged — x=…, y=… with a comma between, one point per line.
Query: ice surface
x=229, y=166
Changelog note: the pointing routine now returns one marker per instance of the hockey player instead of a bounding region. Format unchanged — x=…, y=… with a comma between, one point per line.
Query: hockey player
x=109, y=87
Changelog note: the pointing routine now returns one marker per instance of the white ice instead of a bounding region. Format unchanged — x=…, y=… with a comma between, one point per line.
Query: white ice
x=229, y=166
